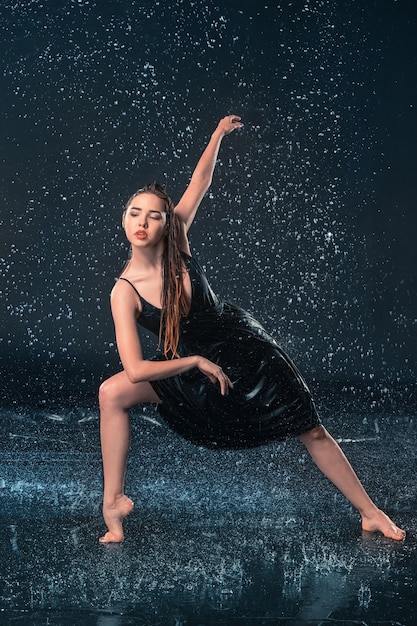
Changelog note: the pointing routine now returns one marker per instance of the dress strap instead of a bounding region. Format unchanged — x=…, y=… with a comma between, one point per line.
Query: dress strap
x=132, y=285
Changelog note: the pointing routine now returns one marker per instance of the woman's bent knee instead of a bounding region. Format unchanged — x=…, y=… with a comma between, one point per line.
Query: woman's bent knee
x=110, y=393
x=118, y=392
x=104, y=393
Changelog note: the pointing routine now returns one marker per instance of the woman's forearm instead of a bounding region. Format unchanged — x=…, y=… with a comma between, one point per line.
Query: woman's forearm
x=205, y=167
x=203, y=172
x=156, y=370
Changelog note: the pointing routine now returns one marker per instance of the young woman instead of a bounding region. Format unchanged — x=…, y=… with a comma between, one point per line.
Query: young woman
x=220, y=380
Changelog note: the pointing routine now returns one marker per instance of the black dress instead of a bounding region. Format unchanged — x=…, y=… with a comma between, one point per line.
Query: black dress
x=270, y=400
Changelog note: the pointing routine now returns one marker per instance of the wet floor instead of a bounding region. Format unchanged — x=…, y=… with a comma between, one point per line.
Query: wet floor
x=244, y=537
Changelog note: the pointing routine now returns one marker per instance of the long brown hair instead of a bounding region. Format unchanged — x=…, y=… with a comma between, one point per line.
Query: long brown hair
x=174, y=302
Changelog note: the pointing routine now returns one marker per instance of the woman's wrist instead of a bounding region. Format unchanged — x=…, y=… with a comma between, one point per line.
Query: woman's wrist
x=218, y=133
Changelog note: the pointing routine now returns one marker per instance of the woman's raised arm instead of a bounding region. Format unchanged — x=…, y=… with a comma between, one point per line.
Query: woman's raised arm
x=203, y=173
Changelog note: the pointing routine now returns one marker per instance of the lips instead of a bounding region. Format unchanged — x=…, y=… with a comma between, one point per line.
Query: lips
x=140, y=234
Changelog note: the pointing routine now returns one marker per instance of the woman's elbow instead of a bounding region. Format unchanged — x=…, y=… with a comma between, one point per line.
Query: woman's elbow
x=132, y=377
x=202, y=179
x=136, y=375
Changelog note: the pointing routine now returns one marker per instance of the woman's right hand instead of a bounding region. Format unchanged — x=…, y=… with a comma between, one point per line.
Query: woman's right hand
x=215, y=374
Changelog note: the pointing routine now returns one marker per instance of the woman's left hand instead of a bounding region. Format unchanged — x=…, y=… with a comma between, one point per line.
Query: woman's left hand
x=229, y=123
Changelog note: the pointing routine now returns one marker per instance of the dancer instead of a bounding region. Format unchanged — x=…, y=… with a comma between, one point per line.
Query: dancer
x=220, y=379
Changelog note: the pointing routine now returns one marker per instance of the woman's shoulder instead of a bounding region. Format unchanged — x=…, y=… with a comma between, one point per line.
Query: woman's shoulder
x=124, y=294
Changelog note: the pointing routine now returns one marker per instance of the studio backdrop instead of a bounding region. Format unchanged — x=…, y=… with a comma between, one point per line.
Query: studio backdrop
x=311, y=219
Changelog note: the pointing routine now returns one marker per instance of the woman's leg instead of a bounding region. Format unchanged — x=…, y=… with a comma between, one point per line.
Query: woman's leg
x=117, y=395
x=330, y=459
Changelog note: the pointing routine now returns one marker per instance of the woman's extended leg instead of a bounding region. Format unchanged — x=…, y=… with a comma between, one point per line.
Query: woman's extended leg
x=117, y=395
x=329, y=457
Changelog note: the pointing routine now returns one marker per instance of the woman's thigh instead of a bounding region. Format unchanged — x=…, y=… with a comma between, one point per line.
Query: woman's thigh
x=119, y=391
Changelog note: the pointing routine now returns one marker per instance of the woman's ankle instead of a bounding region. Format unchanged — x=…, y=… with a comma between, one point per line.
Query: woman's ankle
x=113, y=500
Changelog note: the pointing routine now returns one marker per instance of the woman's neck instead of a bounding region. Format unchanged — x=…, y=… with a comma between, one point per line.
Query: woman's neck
x=146, y=258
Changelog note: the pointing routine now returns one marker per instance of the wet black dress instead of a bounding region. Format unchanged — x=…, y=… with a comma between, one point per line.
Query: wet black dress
x=270, y=401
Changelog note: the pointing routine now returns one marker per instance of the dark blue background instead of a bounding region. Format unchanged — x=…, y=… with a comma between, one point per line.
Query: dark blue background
x=310, y=222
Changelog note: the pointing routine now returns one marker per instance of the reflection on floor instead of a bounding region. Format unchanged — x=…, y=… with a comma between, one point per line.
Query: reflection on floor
x=245, y=538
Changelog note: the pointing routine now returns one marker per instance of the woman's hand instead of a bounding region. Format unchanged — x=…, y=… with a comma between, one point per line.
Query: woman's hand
x=229, y=123
x=215, y=373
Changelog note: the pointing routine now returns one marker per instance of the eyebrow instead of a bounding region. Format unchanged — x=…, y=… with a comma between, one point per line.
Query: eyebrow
x=137, y=208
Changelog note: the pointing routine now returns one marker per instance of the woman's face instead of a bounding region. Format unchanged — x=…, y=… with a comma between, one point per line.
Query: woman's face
x=145, y=220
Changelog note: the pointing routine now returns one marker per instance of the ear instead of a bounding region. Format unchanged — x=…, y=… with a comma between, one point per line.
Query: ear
x=123, y=219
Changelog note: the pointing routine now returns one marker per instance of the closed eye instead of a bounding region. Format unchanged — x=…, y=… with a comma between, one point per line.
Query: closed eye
x=154, y=215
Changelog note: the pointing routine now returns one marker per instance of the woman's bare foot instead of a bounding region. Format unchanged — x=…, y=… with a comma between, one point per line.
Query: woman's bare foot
x=114, y=515
x=382, y=523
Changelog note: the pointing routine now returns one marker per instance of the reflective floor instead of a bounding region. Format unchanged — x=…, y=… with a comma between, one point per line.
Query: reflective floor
x=247, y=538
